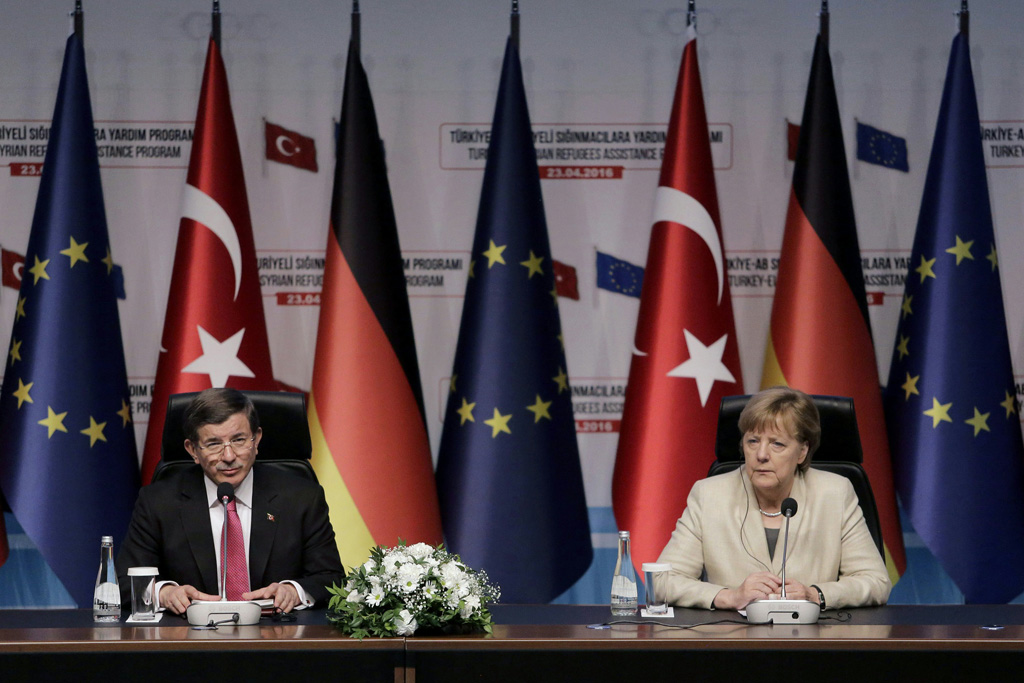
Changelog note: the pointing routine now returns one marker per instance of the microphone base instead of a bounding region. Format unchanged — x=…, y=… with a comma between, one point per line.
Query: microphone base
x=226, y=612
x=783, y=612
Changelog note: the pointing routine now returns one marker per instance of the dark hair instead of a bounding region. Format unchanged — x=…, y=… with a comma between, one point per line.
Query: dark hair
x=213, y=406
x=784, y=407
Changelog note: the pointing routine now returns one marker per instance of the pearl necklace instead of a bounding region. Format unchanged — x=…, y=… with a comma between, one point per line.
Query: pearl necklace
x=769, y=514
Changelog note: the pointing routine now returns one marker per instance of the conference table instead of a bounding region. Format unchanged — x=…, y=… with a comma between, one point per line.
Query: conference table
x=530, y=643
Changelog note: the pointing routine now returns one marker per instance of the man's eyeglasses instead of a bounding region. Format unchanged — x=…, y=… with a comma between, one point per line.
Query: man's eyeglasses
x=240, y=445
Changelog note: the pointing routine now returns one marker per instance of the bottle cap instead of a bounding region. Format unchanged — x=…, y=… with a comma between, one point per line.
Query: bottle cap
x=623, y=534
x=106, y=539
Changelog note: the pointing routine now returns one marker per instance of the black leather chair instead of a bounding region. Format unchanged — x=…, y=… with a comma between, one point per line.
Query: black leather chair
x=285, y=446
x=839, y=451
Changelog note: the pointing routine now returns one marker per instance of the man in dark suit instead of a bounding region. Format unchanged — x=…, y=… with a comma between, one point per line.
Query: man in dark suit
x=177, y=523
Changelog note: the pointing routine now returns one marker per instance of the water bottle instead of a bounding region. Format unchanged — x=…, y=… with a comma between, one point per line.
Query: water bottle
x=624, y=602
x=106, y=599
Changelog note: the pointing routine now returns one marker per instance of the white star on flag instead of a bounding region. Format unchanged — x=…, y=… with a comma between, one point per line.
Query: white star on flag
x=220, y=359
x=704, y=365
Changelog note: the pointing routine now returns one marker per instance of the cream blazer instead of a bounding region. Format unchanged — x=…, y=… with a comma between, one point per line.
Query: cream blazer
x=721, y=532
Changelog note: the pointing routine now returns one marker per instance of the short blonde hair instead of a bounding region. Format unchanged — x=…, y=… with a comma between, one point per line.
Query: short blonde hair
x=788, y=408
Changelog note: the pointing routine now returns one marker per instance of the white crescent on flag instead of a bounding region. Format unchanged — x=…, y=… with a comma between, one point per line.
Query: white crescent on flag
x=676, y=206
x=203, y=209
x=281, y=139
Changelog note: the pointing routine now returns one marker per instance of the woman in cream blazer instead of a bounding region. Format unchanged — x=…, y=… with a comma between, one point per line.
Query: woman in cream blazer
x=832, y=557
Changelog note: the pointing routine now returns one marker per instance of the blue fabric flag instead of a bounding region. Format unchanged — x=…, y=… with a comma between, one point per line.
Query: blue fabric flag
x=953, y=422
x=508, y=474
x=884, y=149
x=68, y=464
x=620, y=276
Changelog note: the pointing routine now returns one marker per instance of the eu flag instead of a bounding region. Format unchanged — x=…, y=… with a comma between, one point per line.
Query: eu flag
x=68, y=464
x=953, y=423
x=881, y=148
x=620, y=276
x=508, y=473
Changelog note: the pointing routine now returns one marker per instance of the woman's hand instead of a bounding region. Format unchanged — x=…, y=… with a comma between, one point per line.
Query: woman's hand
x=757, y=586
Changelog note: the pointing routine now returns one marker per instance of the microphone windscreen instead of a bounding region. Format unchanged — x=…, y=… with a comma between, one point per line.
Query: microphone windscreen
x=226, y=490
x=789, y=507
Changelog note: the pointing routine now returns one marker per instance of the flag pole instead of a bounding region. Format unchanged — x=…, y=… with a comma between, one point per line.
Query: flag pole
x=356, y=27
x=823, y=23
x=964, y=15
x=514, y=28
x=215, y=23
x=79, y=20
x=691, y=14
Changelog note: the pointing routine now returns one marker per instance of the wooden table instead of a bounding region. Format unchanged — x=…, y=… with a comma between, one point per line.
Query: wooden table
x=531, y=643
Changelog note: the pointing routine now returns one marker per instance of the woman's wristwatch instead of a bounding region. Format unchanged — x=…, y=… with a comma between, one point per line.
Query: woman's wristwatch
x=821, y=597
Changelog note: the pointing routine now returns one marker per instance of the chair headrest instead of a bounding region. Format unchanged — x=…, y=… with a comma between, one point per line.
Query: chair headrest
x=282, y=418
x=840, y=440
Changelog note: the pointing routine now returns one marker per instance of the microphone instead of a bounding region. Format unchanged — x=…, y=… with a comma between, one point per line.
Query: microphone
x=784, y=611
x=788, y=510
x=226, y=493
x=240, y=612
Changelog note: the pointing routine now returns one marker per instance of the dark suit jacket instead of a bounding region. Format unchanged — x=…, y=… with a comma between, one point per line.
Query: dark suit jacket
x=291, y=535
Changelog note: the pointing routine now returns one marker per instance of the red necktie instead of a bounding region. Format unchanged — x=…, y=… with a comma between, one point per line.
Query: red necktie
x=236, y=581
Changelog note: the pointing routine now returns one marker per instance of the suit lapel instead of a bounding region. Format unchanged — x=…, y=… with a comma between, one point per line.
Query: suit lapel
x=263, y=529
x=195, y=520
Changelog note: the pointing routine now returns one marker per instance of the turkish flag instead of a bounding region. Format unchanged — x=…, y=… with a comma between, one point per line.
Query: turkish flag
x=12, y=264
x=288, y=147
x=685, y=357
x=214, y=330
x=566, y=282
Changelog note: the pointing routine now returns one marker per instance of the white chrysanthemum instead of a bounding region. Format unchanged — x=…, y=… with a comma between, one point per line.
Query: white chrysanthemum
x=462, y=588
x=370, y=565
x=350, y=585
x=451, y=574
x=469, y=607
x=354, y=596
x=405, y=623
x=375, y=597
x=430, y=591
x=409, y=576
x=420, y=551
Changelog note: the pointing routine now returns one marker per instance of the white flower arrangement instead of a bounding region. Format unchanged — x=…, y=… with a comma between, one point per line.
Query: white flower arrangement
x=407, y=588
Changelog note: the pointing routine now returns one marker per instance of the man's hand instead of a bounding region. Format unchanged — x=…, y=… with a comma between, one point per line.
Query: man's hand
x=284, y=594
x=797, y=591
x=757, y=586
x=178, y=598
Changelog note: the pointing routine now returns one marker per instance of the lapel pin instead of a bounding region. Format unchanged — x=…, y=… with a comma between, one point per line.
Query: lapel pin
x=270, y=517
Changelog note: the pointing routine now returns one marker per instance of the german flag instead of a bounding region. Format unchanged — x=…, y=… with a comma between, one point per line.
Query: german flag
x=370, y=446
x=820, y=337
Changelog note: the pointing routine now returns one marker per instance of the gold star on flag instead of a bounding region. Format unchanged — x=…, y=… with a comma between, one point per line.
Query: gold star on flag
x=109, y=260
x=902, y=346
x=554, y=294
x=451, y=385
x=466, y=412
x=125, y=413
x=472, y=263
x=76, y=252
x=562, y=380
x=20, y=312
x=979, y=421
x=1009, y=404
x=493, y=254
x=993, y=257
x=21, y=393
x=561, y=340
x=532, y=264
x=907, y=298
x=925, y=269
x=54, y=422
x=95, y=431
x=539, y=409
x=939, y=412
x=15, y=353
x=910, y=386
x=499, y=423
x=962, y=250
x=39, y=270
